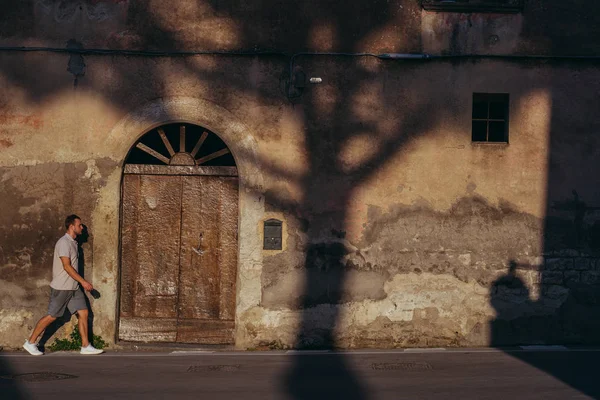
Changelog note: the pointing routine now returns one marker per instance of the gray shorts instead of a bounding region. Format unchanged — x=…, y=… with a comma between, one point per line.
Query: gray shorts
x=74, y=300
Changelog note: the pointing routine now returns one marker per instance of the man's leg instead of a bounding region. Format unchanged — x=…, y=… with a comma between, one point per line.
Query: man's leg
x=86, y=346
x=53, y=328
x=82, y=315
x=42, y=324
x=40, y=327
x=58, y=303
x=77, y=304
x=56, y=307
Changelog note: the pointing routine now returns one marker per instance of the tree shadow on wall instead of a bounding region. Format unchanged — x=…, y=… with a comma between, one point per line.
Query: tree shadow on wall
x=329, y=189
x=322, y=377
x=333, y=116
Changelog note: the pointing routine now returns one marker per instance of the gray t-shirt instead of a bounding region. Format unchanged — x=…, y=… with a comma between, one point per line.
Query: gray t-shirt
x=65, y=247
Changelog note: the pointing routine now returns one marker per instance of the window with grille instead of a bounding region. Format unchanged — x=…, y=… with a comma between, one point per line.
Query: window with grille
x=496, y=6
x=490, y=117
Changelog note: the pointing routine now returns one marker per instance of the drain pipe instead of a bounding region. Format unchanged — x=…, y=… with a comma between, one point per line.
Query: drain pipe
x=384, y=56
x=292, y=57
x=425, y=56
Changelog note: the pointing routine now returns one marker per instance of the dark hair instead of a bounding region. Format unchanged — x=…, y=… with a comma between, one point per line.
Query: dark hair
x=70, y=220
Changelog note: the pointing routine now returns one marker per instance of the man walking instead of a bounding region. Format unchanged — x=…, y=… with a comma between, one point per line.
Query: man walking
x=64, y=292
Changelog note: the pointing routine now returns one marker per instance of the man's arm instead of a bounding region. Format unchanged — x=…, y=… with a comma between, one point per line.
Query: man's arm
x=66, y=262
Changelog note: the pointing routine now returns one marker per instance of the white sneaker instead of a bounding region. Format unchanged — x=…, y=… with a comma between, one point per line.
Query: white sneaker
x=32, y=348
x=89, y=350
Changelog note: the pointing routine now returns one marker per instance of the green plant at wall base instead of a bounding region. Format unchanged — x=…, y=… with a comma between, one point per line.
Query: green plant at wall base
x=74, y=342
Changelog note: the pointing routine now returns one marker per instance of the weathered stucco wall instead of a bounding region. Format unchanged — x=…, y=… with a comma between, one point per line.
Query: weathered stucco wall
x=424, y=247
x=331, y=25
x=398, y=230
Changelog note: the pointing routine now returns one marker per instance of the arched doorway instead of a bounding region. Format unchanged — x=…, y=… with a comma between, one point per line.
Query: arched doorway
x=179, y=238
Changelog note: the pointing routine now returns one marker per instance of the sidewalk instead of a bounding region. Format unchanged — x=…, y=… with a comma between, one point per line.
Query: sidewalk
x=132, y=349
x=547, y=373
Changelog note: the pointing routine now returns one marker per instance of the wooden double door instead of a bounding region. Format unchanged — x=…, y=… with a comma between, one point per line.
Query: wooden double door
x=178, y=258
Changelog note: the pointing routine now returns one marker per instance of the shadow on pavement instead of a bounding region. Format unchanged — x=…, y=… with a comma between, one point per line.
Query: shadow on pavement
x=9, y=388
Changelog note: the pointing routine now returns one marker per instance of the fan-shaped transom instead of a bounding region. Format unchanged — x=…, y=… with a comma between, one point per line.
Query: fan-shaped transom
x=180, y=144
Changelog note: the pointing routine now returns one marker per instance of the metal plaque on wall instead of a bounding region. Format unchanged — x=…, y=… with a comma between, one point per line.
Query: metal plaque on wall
x=272, y=234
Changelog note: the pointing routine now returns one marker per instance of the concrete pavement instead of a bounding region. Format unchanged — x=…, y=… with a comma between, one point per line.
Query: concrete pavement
x=531, y=373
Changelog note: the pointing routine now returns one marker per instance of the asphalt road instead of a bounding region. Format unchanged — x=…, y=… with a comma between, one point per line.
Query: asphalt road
x=360, y=375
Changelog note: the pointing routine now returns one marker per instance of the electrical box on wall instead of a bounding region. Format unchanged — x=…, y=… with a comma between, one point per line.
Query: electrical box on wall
x=272, y=234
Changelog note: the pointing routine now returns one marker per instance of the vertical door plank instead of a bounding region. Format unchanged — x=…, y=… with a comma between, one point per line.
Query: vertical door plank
x=199, y=275
x=129, y=223
x=228, y=246
x=158, y=242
